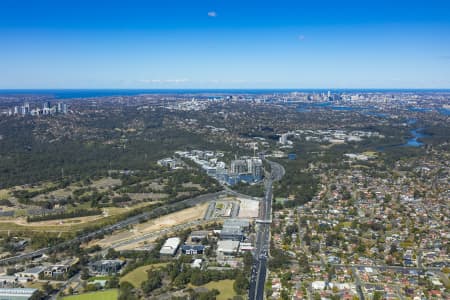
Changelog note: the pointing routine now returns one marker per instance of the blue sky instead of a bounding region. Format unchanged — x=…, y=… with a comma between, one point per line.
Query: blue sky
x=224, y=44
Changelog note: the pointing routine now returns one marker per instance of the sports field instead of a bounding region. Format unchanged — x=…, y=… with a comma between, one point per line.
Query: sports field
x=103, y=295
x=139, y=275
x=225, y=288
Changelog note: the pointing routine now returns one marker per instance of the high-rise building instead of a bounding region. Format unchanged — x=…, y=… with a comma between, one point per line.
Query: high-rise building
x=255, y=167
x=25, y=109
x=238, y=166
x=283, y=139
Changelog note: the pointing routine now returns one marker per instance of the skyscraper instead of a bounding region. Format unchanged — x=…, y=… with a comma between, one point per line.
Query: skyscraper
x=238, y=166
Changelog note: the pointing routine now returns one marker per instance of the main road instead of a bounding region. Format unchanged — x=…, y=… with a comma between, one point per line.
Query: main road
x=259, y=268
x=162, y=210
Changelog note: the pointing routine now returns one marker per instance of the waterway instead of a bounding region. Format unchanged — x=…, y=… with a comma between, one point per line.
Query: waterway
x=414, y=141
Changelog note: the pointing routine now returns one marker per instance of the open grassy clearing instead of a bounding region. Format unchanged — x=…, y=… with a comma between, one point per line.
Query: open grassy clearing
x=70, y=224
x=102, y=295
x=225, y=287
x=101, y=184
x=139, y=275
x=35, y=285
x=192, y=185
x=34, y=187
x=65, y=225
x=106, y=183
x=4, y=194
x=145, y=196
x=61, y=193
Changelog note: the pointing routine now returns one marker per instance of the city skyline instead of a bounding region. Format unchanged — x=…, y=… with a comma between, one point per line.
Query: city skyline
x=218, y=44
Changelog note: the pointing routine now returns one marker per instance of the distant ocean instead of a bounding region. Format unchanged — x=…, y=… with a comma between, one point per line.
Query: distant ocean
x=91, y=93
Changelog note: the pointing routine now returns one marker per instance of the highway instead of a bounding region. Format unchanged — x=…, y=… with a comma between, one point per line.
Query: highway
x=259, y=268
x=159, y=233
x=162, y=210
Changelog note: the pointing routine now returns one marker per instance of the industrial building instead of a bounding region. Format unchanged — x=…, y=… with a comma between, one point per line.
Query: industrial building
x=233, y=233
x=233, y=229
x=17, y=293
x=32, y=273
x=227, y=247
x=198, y=236
x=243, y=223
x=170, y=247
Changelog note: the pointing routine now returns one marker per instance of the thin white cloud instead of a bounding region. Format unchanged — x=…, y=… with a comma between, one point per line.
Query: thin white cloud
x=212, y=14
x=182, y=80
x=233, y=81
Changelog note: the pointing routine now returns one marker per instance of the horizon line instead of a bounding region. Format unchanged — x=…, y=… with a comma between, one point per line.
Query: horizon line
x=213, y=89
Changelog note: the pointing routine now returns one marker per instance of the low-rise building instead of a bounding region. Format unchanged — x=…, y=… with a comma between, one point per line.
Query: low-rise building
x=17, y=293
x=233, y=233
x=245, y=247
x=170, y=247
x=32, y=273
x=56, y=271
x=192, y=249
x=107, y=266
x=197, y=263
x=198, y=236
x=227, y=247
x=8, y=280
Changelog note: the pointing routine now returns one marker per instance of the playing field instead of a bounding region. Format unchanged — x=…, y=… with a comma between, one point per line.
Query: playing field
x=139, y=275
x=103, y=295
x=225, y=287
x=4, y=194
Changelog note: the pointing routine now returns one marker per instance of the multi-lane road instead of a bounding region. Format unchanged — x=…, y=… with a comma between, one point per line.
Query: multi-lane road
x=155, y=234
x=259, y=268
x=119, y=225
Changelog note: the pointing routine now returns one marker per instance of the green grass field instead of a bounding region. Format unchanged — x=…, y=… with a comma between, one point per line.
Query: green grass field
x=4, y=194
x=103, y=295
x=225, y=287
x=139, y=275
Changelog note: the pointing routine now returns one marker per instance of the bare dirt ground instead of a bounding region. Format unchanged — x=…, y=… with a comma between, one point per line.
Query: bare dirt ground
x=192, y=185
x=65, y=222
x=177, y=218
x=106, y=183
x=156, y=186
x=61, y=193
x=248, y=208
